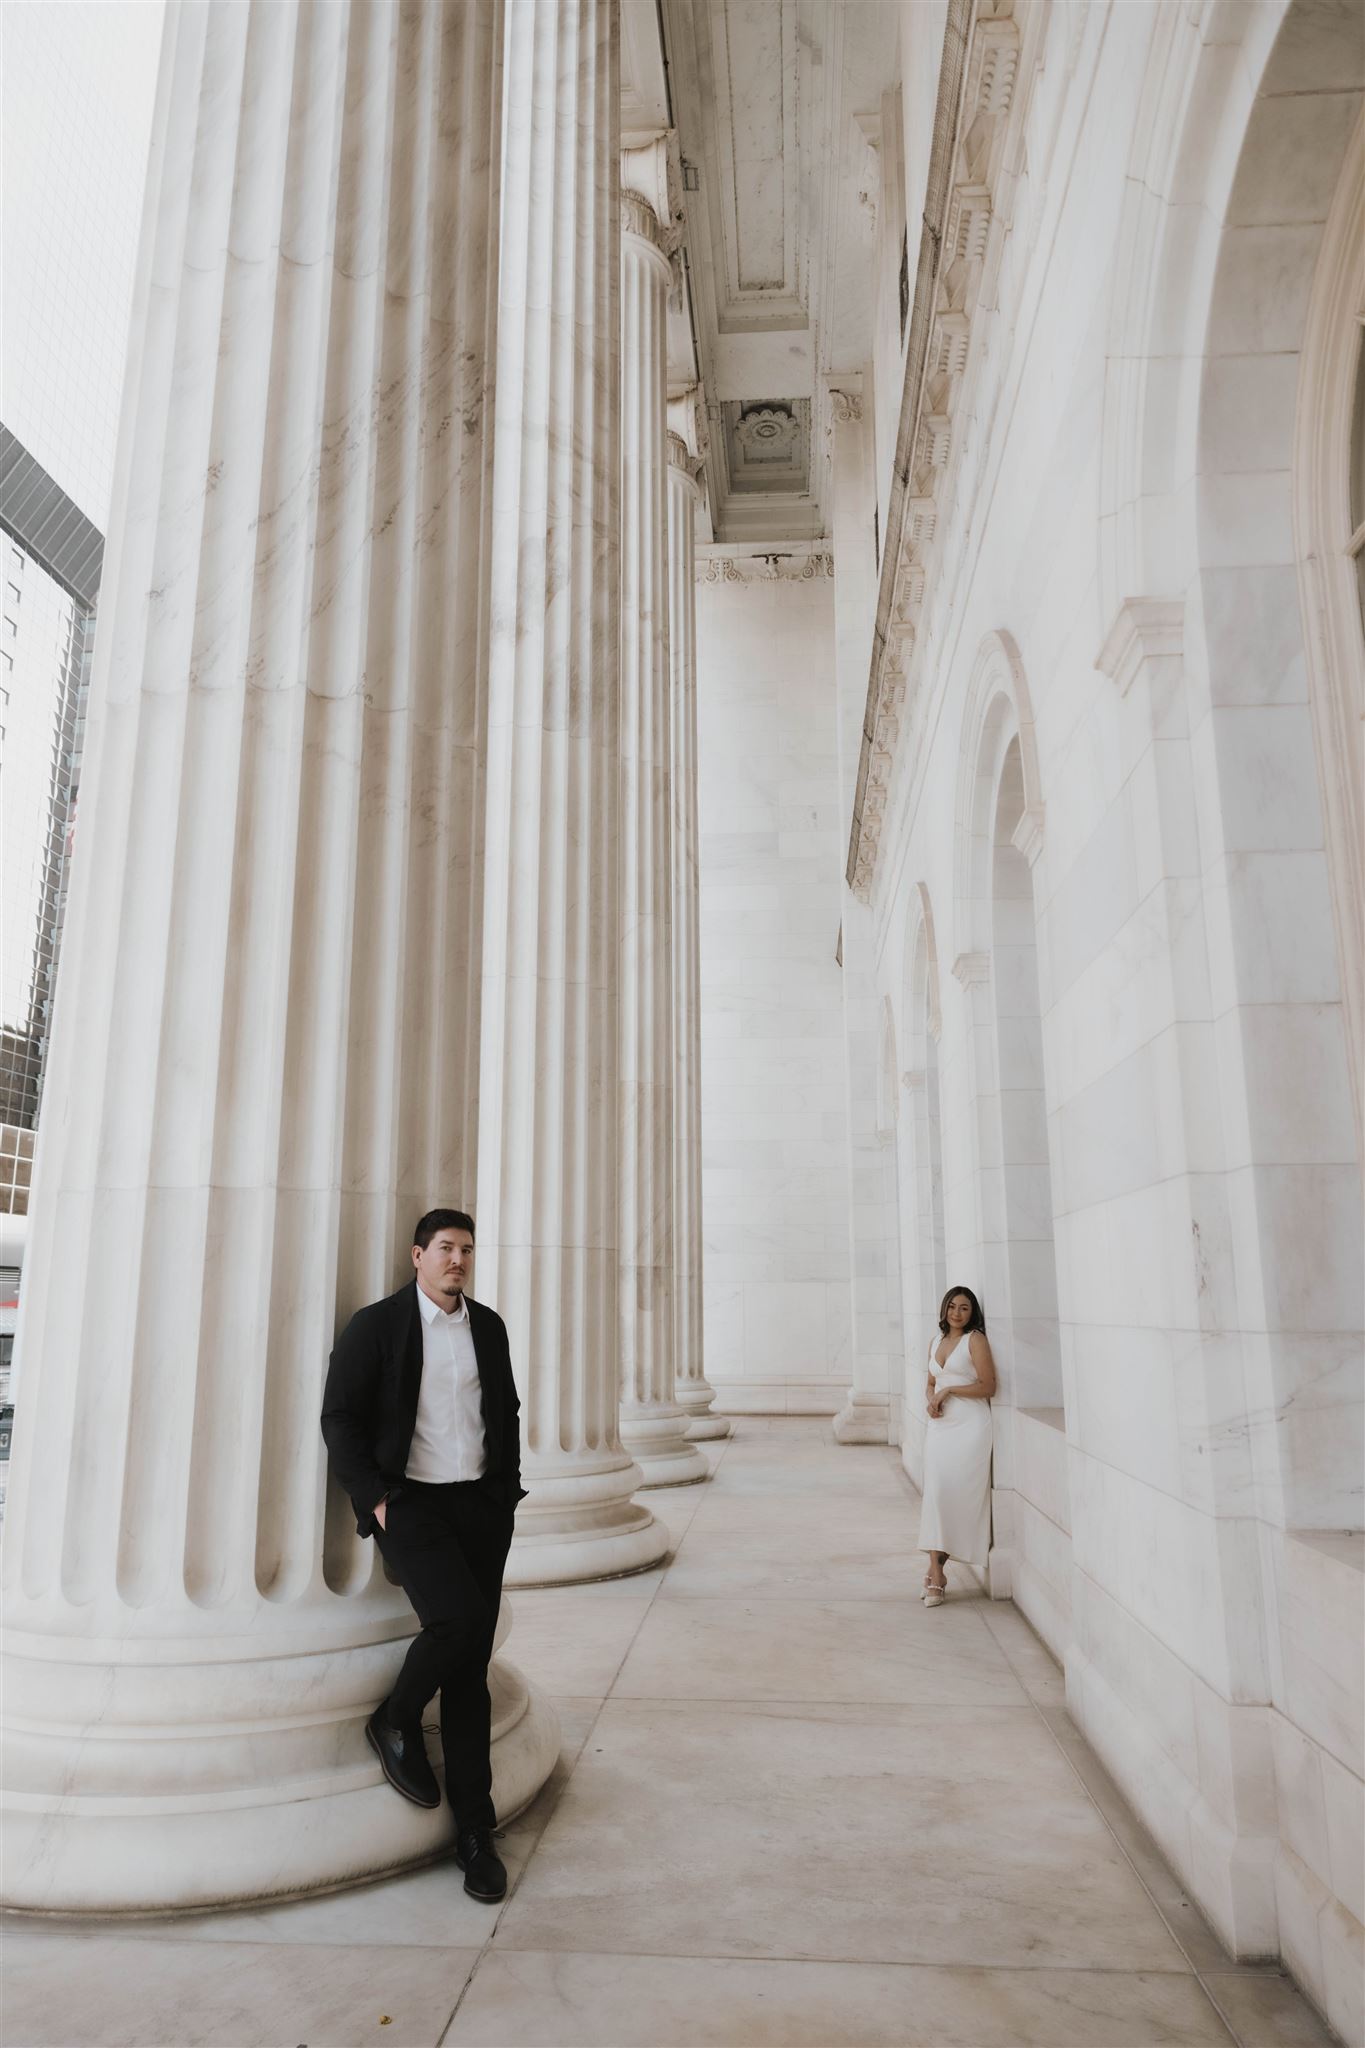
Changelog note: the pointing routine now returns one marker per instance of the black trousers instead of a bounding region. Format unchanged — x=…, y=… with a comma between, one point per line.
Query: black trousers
x=447, y=1545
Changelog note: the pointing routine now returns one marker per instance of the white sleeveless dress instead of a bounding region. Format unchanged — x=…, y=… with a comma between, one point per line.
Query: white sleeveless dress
x=955, y=1513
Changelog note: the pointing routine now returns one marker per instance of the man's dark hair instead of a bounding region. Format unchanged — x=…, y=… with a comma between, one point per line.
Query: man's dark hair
x=440, y=1219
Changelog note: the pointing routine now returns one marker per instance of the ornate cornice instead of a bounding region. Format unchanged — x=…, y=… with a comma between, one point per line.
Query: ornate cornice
x=720, y=567
x=977, y=141
x=973, y=970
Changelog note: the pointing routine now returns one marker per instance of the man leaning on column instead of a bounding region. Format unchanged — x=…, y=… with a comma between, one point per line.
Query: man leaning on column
x=420, y=1417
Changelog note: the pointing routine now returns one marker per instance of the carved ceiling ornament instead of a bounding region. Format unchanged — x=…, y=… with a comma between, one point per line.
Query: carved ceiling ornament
x=957, y=272
x=768, y=433
x=775, y=566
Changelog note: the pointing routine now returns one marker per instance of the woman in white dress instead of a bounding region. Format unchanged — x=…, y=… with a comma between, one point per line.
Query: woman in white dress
x=955, y=1514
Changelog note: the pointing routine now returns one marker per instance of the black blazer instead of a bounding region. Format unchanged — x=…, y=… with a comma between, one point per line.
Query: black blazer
x=369, y=1407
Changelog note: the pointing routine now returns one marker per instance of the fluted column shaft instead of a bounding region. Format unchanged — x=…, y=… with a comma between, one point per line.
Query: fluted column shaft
x=547, y=1208
x=873, y=1222
x=653, y=1425
x=264, y=1057
x=693, y=1390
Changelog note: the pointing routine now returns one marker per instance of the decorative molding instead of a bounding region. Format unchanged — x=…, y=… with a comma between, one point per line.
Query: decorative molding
x=768, y=433
x=974, y=162
x=973, y=970
x=1027, y=835
x=774, y=567
x=845, y=407
x=933, y=1006
x=1145, y=629
x=997, y=711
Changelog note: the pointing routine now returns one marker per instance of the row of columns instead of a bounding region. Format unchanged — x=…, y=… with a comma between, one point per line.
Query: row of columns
x=385, y=896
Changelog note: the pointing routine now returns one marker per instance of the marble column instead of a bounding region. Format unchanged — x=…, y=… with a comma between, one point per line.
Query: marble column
x=264, y=1056
x=547, y=1209
x=653, y=1425
x=692, y=1389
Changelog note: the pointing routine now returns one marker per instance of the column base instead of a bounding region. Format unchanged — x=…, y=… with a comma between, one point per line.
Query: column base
x=657, y=1438
x=694, y=1397
x=179, y=1775
x=579, y=1523
x=863, y=1419
x=706, y=1429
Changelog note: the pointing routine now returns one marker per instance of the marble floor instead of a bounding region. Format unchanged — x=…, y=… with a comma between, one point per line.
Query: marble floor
x=794, y=1809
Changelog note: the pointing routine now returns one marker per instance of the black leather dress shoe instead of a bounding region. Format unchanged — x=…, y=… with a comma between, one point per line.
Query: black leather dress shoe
x=485, y=1876
x=402, y=1758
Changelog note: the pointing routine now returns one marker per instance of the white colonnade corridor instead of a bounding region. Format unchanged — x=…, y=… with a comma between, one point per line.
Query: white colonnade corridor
x=793, y=1809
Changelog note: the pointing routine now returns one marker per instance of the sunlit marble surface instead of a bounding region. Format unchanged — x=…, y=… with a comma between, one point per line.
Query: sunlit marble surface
x=810, y=1817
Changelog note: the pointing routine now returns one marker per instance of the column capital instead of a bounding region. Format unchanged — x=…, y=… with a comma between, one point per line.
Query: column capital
x=683, y=461
x=638, y=218
x=687, y=419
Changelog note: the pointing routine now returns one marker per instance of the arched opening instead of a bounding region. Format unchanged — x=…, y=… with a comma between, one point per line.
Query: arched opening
x=1329, y=536
x=1280, y=817
x=1000, y=837
x=1032, y=1357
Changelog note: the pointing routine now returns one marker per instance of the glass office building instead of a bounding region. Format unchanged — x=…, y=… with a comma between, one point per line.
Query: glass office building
x=76, y=89
x=52, y=556
x=77, y=84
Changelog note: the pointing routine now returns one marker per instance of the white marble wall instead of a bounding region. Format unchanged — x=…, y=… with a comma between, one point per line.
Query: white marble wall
x=774, y=1111
x=1173, y=1459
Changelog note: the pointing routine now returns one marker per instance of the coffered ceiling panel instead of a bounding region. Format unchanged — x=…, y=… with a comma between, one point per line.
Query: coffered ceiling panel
x=767, y=447
x=746, y=57
x=775, y=106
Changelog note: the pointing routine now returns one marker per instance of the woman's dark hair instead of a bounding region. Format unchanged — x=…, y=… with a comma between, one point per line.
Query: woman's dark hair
x=440, y=1219
x=977, y=1322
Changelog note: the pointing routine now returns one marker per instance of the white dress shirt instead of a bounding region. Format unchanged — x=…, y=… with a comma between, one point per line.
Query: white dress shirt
x=448, y=1440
